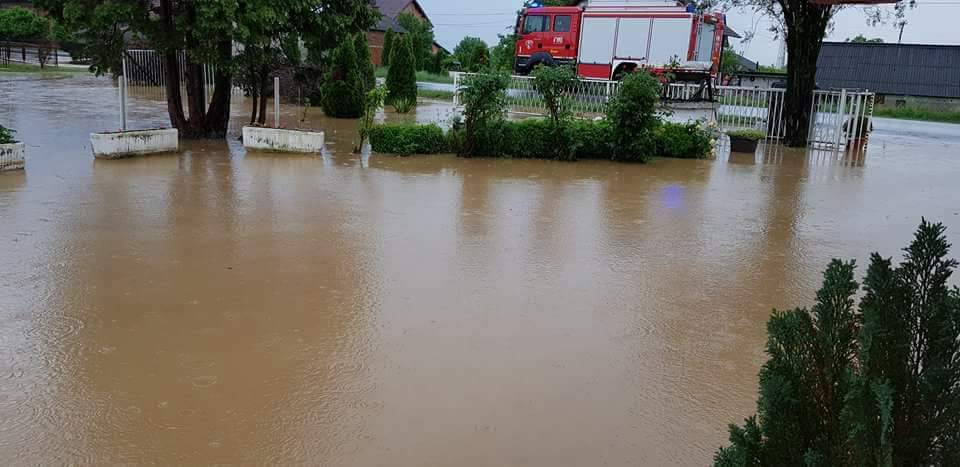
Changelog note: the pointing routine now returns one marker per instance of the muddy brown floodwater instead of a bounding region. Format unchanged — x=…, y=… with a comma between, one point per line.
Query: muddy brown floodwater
x=219, y=306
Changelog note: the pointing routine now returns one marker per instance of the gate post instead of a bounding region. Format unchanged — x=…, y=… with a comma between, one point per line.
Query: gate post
x=842, y=117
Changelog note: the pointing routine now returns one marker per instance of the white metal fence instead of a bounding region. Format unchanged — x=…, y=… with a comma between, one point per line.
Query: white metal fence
x=837, y=117
x=587, y=97
x=145, y=72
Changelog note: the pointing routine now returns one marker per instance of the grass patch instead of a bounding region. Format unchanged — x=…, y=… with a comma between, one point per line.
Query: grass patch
x=435, y=94
x=27, y=68
x=424, y=76
x=913, y=113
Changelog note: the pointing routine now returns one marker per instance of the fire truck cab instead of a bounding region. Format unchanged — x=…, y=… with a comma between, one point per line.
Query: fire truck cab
x=604, y=39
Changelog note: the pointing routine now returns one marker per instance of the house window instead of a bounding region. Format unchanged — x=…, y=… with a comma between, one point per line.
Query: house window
x=561, y=24
x=536, y=23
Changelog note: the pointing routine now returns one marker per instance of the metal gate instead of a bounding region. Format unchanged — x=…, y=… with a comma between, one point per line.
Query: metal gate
x=837, y=118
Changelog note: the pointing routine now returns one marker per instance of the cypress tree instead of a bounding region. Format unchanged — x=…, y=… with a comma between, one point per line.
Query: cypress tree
x=388, y=40
x=402, y=75
x=364, y=62
x=343, y=92
x=879, y=387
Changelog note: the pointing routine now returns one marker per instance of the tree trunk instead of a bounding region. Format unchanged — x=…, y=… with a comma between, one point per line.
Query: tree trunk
x=806, y=25
x=253, y=110
x=218, y=113
x=264, y=92
x=203, y=121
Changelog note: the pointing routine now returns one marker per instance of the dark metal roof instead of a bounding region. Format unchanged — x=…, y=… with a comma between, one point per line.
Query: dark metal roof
x=907, y=69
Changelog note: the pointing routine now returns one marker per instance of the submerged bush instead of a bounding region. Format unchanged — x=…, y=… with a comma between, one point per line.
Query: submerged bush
x=632, y=113
x=682, y=140
x=407, y=139
x=553, y=83
x=484, y=101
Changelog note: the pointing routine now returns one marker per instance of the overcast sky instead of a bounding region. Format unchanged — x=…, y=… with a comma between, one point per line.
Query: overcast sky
x=931, y=22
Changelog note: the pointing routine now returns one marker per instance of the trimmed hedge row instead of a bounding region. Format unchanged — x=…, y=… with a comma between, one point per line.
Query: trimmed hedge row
x=408, y=139
x=535, y=139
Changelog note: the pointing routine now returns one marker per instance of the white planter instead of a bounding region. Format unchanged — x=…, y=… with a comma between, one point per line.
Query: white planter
x=134, y=143
x=12, y=156
x=280, y=140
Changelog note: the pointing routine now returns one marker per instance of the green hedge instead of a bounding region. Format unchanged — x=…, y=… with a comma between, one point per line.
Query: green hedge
x=407, y=139
x=682, y=140
x=533, y=138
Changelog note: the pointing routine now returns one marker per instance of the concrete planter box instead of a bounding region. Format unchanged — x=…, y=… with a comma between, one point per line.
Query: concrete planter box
x=12, y=156
x=281, y=140
x=134, y=143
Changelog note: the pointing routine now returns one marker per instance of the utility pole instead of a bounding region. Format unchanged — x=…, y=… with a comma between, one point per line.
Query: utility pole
x=900, y=39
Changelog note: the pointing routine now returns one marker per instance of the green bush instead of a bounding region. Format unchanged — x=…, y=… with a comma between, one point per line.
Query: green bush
x=682, y=140
x=632, y=113
x=343, y=92
x=553, y=83
x=471, y=53
x=402, y=75
x=594, y=139
x=407, y=139
x=484, y=101
x=753, y=135
x=404, y=105
x=365, y=63
x=6, y=135
x=534, y=138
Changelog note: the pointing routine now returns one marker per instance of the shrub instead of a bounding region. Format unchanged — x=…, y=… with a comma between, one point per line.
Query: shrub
x=682, y=140
x=343, y=93
x=632, y=113
x=404, y=105
x=552, y=83
x=6, y=135
x=374, y=99
x=388, y=39
x=437, y=63
x=407, y=139
x=752, y=135
x=365, y=63
x=594, y=139
x=484, y=101
x=874, y=386
x=402, y=75
x=533, y=138
x=471, y=53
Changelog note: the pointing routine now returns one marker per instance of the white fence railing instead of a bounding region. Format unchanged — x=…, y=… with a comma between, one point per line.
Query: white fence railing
x=836, y=118
x=145, y=72
x=587, y=97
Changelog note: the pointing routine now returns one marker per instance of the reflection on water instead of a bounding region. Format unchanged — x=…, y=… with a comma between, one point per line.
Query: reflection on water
x=218, y=306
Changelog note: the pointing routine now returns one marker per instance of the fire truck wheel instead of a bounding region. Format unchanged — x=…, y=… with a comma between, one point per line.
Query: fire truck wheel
x=541, y=58
x=623, y=70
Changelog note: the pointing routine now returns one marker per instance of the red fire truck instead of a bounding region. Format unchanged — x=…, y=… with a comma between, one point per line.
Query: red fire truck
x=605, y=39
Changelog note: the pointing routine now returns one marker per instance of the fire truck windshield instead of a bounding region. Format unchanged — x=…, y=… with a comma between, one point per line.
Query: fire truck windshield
x=536, y=23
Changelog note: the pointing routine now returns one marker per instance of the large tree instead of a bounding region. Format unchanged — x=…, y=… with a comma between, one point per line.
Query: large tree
x=803, y=24
x=205, y=32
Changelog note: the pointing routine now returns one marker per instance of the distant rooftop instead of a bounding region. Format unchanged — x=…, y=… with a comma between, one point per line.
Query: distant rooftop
x=905, y=69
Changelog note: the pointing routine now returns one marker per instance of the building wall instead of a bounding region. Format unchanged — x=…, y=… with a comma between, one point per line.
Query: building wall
x=375, y=41
x=375, y=38
x=942, y=104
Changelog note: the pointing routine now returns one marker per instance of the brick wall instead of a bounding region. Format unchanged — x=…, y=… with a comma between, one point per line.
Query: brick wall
x=375, y=41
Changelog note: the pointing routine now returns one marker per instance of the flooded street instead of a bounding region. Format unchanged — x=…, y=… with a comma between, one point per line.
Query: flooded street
x=219, y=306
